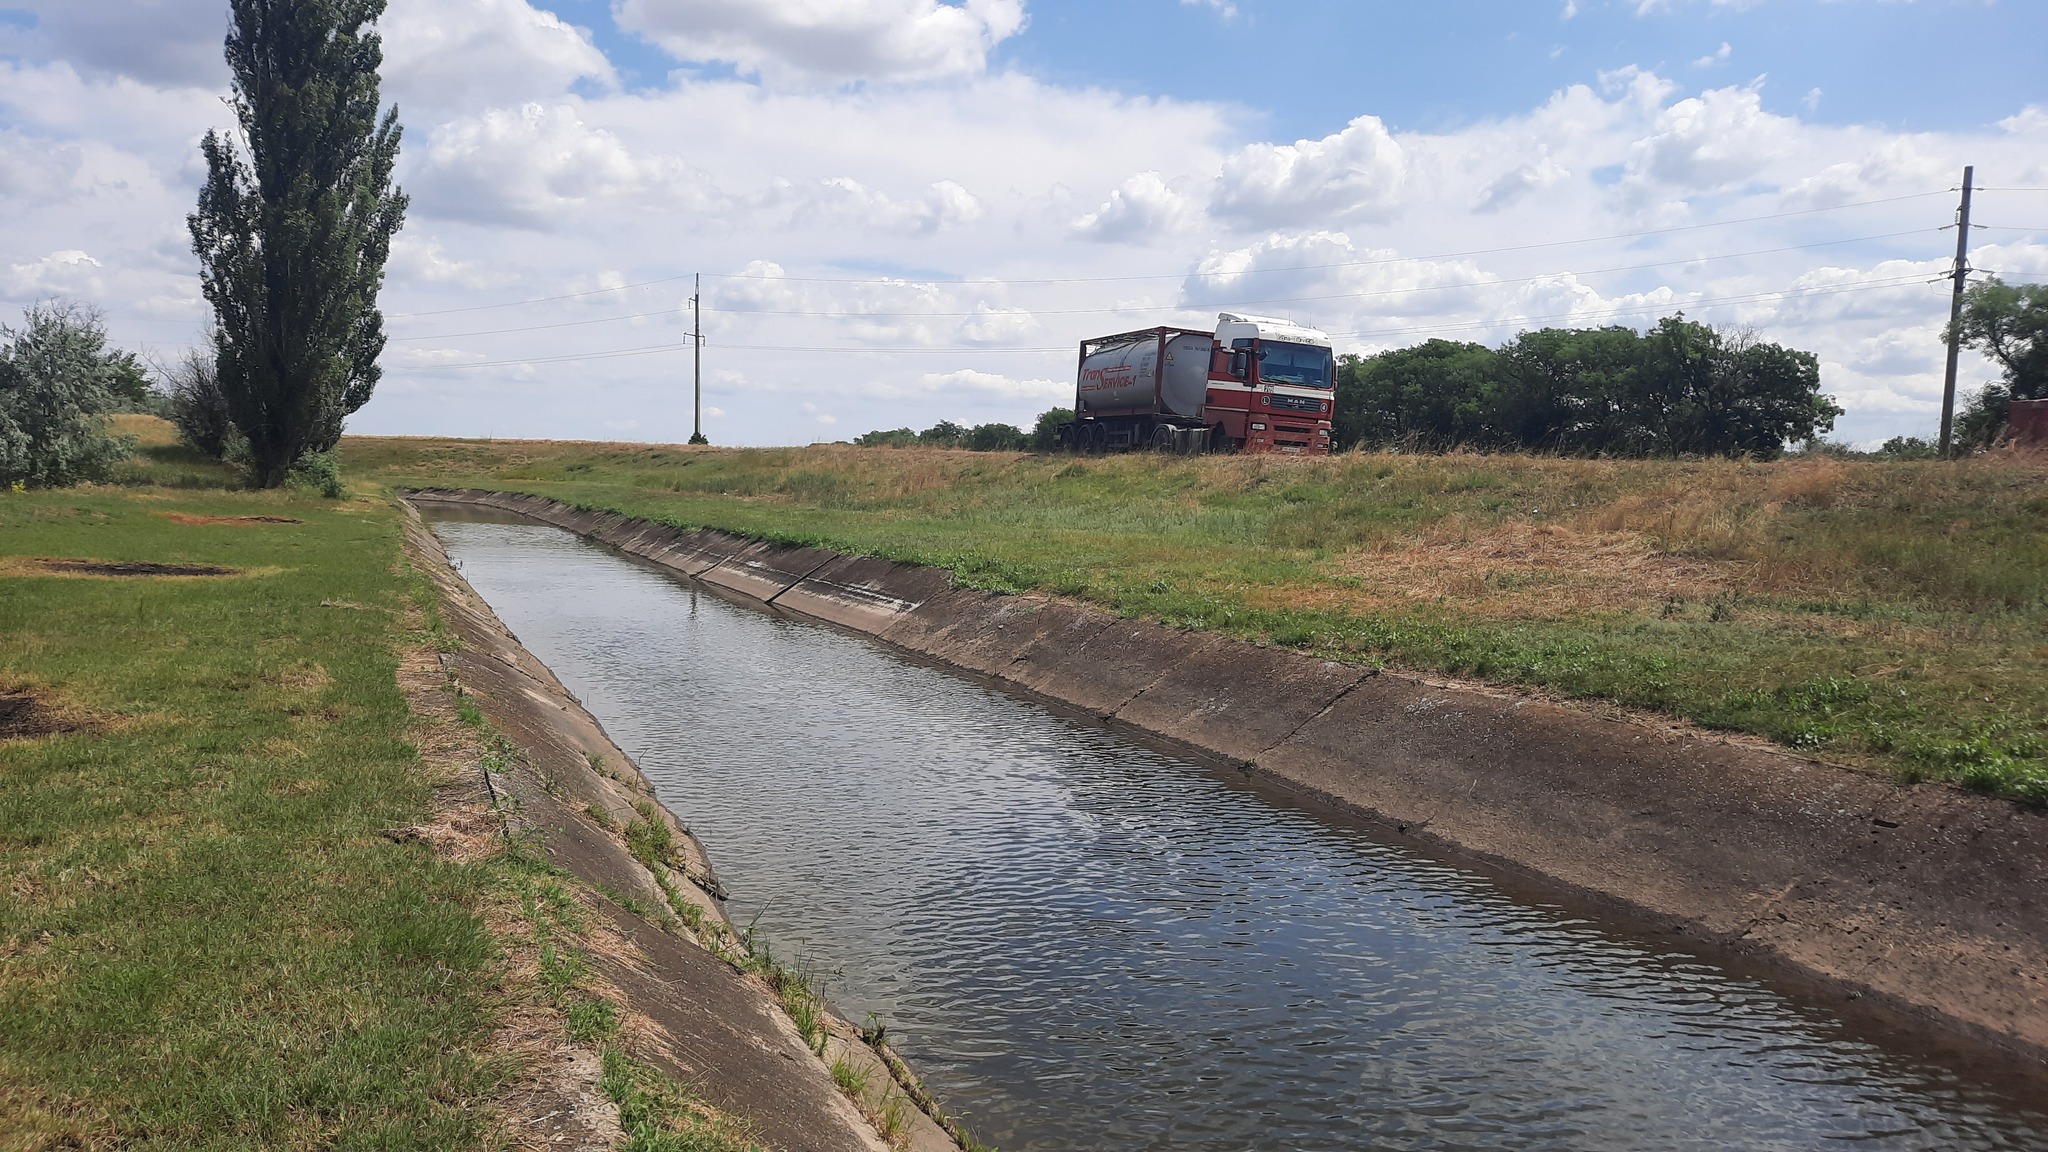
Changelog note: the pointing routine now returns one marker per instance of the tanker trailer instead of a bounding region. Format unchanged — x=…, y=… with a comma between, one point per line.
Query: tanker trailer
x=1257, y=384
x=1141, y=389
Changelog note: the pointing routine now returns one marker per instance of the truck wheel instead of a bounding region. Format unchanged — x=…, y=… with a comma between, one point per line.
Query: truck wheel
x=1219, y=440
x=1162, y=439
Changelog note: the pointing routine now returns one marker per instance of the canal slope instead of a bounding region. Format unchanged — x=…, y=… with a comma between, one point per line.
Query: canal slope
x=698, y=1003
x=1923, y=898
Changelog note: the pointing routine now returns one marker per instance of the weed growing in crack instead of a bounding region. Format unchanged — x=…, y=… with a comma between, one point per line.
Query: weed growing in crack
x=648, y=837
x=850, y=1077
x=659, y=1115
x=893, y=1118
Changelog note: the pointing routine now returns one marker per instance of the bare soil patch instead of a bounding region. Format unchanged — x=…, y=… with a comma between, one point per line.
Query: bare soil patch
x=129, y=568
x=189, y=518
x=26, y=715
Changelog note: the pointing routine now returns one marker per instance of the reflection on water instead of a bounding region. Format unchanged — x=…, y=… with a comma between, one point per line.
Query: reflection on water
x=1088, y=944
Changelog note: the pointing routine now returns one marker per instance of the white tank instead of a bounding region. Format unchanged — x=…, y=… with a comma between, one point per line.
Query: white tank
x=1127, y=377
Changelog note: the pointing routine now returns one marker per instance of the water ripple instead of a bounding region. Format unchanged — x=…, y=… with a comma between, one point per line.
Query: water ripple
x=1089, y=944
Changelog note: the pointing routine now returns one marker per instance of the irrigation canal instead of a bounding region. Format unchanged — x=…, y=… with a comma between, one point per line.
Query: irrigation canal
x=1087, y=943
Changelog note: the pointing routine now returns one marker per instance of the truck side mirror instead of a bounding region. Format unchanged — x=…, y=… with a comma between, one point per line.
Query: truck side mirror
x=1240, y=363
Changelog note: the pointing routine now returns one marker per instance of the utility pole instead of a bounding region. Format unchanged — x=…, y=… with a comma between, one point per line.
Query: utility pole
x=697, y=361
x=1955, y=312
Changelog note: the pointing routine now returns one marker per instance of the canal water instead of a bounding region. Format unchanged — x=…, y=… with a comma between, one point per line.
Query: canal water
x=1084, y=942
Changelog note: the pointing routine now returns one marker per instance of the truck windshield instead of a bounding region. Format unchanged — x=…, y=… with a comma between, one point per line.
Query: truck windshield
x=1294, y=364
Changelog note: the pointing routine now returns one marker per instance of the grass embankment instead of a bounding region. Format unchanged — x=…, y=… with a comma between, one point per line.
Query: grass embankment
x=205, y=940
x=1890, y=615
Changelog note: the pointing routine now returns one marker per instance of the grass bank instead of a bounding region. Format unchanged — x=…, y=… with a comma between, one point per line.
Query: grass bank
x=1889, y=615
x=206, y=942
x=210, y=934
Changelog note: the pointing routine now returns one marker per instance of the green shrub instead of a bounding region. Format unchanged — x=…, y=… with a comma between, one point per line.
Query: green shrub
x=58, y=384
x=320, y=471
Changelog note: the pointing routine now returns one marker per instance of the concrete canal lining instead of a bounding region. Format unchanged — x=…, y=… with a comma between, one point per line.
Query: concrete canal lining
x=696, y=1017
x=1924, y=898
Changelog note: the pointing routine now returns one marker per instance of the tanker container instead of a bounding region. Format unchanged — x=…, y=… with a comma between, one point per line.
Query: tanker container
x=1141, y=389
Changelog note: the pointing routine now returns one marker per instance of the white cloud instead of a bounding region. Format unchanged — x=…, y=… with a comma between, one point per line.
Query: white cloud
x=1224, y=8
x=1718, y=56
x=466, y=53
x=843, y=202
x=1711, y=141
x=533, y=166
x=1892, y=165
x=1141, y=208
x=1512, y=186
x=174, y=43
x=70, y=272
x=2029, y=121
x=881, y=40
x=995, y=384
x=1357, y=173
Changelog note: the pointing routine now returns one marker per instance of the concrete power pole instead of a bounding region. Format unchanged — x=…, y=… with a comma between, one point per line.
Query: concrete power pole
x=697, y=362
x=1955, y=313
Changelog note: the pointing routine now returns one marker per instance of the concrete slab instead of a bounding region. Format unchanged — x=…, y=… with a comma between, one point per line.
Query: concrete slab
x=864, y=593
x=982, y=632
x=725, y=1038
x=1099, y=663
x=765, y=571
x=1237, y=698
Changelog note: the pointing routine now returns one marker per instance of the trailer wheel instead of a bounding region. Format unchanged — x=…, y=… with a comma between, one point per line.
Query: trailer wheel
x=1162, y=439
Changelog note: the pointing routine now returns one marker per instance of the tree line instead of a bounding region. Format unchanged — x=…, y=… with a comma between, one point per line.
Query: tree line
x=1682, y=388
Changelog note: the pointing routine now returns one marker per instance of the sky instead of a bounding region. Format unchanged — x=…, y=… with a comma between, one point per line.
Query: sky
x=905, y=211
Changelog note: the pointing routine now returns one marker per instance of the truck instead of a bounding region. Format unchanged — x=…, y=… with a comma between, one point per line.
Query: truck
x=1255, y=384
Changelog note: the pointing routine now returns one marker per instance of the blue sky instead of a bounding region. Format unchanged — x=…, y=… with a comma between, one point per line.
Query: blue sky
x=910, y=210
x=1436, y=66
x=1911, y=66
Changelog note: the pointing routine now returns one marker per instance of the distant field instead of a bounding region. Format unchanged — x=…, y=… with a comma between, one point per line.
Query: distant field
x=1892, y=615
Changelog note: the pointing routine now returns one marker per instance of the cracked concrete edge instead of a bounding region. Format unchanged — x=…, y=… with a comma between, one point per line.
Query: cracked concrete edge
x=1924, y=901
x=543, y=711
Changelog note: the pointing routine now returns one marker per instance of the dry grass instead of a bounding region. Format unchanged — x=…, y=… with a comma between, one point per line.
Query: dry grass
x=1522, y=570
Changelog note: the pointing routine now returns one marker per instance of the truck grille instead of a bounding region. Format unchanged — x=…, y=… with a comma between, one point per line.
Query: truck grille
x=1295, y=403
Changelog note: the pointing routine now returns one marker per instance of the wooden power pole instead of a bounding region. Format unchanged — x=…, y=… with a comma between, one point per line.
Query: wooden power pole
x=1955, y=313
x=697, y=362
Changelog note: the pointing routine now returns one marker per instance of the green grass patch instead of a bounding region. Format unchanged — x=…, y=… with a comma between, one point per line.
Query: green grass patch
x=204, y=940
x=1719, y=592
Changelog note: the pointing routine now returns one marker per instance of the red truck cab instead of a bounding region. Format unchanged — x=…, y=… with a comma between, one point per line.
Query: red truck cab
x=1271, y=387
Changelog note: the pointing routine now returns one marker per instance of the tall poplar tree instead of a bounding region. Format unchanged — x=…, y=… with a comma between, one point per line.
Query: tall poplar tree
x=294, y=225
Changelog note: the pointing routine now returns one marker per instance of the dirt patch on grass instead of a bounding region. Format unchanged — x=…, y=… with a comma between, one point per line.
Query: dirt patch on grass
x=189, y=518
x=26, y=714
x=44, y=566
